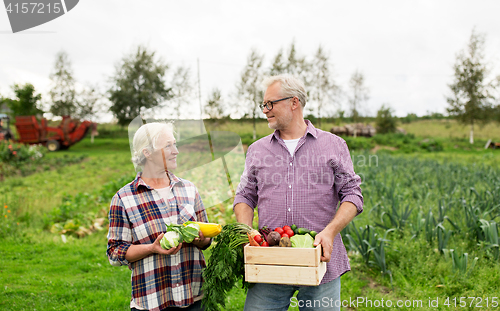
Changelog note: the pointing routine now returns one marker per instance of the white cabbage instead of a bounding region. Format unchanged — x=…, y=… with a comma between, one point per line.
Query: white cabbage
x=169, y=240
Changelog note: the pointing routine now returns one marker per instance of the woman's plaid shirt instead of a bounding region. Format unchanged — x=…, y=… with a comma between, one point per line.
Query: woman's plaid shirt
x=138, y=215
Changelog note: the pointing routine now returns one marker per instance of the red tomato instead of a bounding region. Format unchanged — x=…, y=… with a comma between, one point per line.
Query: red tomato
x=265, y=243
x=289, y=232
x=258, y=239
x=284, y=235
x=285, y=228
x=279, y=230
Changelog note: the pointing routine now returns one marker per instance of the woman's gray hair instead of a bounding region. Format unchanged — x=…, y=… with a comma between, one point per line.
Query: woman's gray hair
x=146, y=138
x=290, y=86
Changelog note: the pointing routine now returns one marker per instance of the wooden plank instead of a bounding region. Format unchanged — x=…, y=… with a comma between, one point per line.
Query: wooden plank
x=288, y=256
x=291, y=275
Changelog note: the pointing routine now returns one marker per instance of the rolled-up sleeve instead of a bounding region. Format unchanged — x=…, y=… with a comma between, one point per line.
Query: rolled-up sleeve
x=247, y=188
x=347, y=182
x=119, y=233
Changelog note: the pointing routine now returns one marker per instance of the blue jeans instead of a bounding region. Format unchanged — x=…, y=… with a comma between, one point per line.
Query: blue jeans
x=277, y=297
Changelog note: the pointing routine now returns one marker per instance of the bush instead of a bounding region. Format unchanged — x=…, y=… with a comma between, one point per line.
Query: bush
x=247, y=138
x=431, y=145
x=16, y=154
x=385, y=121
x=20, y=159
x=359, y=143
x=83, y=213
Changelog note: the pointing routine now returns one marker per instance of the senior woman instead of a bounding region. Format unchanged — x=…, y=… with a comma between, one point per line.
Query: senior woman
x=138, y=217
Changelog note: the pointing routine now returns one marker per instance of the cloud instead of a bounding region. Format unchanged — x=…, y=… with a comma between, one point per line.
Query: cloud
x=405, y=49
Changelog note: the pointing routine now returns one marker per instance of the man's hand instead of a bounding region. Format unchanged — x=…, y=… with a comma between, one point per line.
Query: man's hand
x=156, y=247
x=325, y=238
x=346, y=212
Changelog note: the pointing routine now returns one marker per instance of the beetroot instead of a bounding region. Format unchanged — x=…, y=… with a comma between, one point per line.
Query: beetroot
x=265, y=231
x=273, y=238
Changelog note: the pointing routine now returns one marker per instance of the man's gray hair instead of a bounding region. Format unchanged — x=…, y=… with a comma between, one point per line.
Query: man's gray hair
x=290, y=86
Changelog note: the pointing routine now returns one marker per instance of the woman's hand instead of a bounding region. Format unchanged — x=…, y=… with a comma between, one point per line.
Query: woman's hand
x=156, y=247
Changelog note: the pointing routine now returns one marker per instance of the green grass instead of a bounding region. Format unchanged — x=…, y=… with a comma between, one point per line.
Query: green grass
x=40, y=272
x=40, y=193
x=451, y=129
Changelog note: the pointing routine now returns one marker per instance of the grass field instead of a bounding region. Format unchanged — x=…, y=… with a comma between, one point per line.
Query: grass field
x=452, y=129
x=428, y=203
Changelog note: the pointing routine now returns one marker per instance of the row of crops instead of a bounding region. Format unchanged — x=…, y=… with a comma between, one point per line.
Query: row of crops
x=452, y=208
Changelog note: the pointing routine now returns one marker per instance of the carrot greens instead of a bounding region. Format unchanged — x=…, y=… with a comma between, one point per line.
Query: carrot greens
x=225, y=265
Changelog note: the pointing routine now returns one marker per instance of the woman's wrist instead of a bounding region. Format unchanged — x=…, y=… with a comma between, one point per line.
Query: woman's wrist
x=204, y=244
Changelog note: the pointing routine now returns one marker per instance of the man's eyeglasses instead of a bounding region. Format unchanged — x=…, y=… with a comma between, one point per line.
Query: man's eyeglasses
x=269, y=104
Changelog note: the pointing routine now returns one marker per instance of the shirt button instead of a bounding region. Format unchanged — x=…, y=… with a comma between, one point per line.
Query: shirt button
x=288, y=209
x=289, y=186
x=290, y=163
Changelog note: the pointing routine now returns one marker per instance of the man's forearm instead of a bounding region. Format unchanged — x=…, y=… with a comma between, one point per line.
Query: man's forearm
x=244, y=213
x=345, y=214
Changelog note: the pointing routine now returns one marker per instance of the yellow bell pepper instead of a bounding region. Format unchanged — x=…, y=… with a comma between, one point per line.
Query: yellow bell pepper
x=208, y=229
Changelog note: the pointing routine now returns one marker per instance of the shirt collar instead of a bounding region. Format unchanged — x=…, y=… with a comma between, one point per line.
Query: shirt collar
x=139, y=182
x=309, y=130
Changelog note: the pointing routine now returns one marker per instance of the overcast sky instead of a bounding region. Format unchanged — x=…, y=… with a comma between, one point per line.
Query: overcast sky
x=405, y=49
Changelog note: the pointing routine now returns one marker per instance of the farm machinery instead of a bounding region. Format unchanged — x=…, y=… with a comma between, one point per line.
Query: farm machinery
x=66, y=134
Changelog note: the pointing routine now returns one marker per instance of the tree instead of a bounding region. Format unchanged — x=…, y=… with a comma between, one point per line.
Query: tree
x=89, y=102
x=215, y=105
x=293, y=63
x=27, y=102
x=496, y=113
x=63, y=91
x=410, y=117
x=297, y=65
x=385, y=121
x=279, y=64
x=340, y=116
x=471, y=97
x=139, y=82
x=182, y=88
x=249, y=87
x=358, y=95
x=323, y=89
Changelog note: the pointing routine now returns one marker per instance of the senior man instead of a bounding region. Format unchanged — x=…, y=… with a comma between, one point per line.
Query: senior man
x=299, y=175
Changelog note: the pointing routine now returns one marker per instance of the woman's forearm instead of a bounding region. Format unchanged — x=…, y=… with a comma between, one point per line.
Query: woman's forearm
x=138, y=252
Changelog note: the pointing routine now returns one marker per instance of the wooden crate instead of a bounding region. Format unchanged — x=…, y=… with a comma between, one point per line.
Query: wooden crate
x=284, y=265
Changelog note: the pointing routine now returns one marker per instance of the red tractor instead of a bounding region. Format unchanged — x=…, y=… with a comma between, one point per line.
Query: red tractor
x=68, y=133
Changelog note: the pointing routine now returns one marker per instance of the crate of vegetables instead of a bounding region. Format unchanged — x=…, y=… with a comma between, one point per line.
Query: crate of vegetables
x=287, y=260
